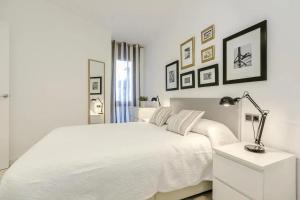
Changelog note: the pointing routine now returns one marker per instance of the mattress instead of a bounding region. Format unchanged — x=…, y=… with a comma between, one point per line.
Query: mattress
x=131, y=161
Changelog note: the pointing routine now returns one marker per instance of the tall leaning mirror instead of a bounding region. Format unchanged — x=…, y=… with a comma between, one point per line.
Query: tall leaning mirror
x=96, y=95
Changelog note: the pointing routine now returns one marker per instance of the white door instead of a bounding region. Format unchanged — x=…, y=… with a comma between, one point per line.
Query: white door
x=4, y=96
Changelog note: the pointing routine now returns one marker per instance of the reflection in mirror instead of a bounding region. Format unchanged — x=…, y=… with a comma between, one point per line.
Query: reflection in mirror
x=96, y=96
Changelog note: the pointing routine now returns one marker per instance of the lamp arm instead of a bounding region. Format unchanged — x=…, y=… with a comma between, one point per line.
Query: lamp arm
x=158, y=101
x=246, y=95
x=264, y=114
x=260, y=128
x=100, y=101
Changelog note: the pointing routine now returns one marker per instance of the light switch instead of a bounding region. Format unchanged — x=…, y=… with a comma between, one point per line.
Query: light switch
x=248, y=117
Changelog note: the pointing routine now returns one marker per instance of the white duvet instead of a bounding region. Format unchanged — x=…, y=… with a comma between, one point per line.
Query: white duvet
x=129, y=161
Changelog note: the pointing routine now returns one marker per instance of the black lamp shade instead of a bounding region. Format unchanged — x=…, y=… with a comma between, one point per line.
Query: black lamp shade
x=227, y=101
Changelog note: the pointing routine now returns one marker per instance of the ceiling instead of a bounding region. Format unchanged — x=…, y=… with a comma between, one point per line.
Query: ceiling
x=134, y=21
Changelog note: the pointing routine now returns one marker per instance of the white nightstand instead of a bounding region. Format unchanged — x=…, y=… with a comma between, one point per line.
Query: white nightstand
x=243, y=175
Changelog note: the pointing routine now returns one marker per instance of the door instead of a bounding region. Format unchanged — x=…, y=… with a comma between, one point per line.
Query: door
x=4, y=96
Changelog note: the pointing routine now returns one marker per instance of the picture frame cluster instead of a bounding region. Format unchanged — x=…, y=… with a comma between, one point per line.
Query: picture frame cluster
x=244, y=59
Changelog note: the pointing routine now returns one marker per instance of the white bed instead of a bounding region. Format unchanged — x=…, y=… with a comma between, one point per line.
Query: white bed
x=113, y=161
x=133, y=161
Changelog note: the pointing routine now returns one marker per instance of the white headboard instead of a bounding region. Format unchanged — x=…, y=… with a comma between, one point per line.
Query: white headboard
x=230, y=116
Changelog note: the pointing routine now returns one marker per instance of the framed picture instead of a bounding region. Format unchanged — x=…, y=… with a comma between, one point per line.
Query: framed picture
x=245, y=55
x=187, y=80
x=172, y=76
x=208, y=54
x=95, y=85
x=208, y=34
x=187, y=53
x=208, y=76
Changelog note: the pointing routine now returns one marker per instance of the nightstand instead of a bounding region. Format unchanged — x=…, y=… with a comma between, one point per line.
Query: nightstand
x=243, y=175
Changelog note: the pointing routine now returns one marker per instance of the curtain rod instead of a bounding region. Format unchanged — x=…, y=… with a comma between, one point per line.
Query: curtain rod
x=140, y=46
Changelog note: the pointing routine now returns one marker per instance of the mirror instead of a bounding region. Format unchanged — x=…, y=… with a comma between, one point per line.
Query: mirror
x=96, y=96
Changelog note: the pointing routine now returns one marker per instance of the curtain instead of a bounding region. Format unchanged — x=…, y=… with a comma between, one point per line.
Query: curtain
x=126, y=74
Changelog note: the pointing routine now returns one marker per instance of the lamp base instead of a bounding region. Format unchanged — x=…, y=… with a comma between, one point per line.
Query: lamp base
x=255, y=148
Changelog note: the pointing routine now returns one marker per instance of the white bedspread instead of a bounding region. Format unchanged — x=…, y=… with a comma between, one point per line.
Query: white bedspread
x=108, y=162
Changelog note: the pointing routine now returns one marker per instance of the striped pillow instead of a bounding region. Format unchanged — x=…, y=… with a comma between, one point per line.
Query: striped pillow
x=160, y=116
x=183, y=122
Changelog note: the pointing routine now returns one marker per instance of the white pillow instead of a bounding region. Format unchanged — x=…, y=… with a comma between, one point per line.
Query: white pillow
x=218, y=133
x=182, y=122
x=160, y=116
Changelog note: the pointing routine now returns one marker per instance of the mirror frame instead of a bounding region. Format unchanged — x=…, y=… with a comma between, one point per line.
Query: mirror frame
x=89, y=103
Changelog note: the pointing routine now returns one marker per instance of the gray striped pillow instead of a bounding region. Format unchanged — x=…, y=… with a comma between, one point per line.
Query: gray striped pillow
x=160, y=116
x=183, y=122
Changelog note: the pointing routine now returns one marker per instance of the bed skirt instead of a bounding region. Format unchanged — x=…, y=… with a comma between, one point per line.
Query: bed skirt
x=183, y=193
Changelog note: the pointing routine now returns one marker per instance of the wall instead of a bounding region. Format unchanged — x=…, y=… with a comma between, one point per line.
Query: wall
x=49, y=55
x=280, y=93
x=4, y=89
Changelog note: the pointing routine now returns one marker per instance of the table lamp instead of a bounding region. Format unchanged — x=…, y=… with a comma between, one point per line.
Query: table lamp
x=258, y=147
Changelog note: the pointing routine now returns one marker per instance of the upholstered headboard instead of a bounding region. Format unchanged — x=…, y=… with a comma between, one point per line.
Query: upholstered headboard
x=230, y=116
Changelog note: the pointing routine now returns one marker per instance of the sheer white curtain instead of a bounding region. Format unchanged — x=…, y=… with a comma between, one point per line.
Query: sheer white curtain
x=123, y=90
x=126, y=73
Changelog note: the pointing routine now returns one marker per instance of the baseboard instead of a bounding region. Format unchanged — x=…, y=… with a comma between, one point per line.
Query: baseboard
x=12, y=162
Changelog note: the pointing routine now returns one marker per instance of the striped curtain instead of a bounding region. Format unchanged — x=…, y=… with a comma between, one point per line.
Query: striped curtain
x=126, y=75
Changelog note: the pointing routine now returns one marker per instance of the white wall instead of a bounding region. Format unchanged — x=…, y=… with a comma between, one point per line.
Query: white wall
x=49, y=55
x=280, y=93
x=4, y=89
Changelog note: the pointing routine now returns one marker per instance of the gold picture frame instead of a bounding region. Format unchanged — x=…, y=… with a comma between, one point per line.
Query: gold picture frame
x=208, y=34
x=208, y=54
x=187, y=53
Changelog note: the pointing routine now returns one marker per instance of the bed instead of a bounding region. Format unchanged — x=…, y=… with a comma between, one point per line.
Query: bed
x=133, y=161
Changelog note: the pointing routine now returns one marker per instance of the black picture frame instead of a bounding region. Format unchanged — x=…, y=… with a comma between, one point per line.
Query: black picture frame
x=263, y=54
x=216, y=82
x=100, y=85
x=193, y=80
x=177, y=75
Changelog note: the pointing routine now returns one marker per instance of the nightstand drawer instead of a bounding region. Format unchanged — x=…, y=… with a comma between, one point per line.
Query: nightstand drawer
x=223, y=192
x=239, y=177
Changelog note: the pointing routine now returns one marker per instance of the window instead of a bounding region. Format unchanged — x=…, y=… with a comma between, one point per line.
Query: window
x=124, y=83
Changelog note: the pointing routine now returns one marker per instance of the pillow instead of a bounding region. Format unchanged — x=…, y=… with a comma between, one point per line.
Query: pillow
x=160, y=116
x=218, y=133
x=170, y=117
x=182, y=122
x=145, y=114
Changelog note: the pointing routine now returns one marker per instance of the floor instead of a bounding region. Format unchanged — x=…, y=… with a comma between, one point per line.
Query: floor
x=203, y=196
